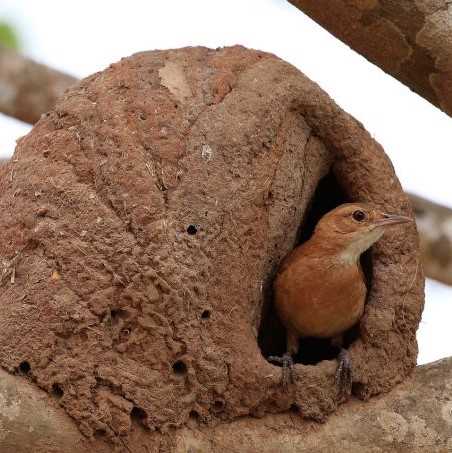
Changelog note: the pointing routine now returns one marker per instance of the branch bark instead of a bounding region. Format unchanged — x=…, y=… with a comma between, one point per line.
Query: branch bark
x=27, y=88
x=411, y=40
x=434, y=224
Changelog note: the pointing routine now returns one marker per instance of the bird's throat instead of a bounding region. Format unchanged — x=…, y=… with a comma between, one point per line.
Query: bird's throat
x=353, y=250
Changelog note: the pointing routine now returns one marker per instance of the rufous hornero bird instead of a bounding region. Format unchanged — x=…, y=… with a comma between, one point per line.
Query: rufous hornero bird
x=320, y=289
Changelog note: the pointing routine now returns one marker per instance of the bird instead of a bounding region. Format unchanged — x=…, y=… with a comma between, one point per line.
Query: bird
x=320, y=289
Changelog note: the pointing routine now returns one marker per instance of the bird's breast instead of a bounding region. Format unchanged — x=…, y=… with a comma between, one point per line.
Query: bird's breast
x=320, y=298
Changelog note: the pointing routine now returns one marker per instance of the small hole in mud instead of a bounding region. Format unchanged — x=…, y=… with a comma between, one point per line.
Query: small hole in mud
x=205, y=314
x=192, y=230
x=98, y=433
x=194, y=415
x=138, y=415
x=219, y=405
x=57, y=391
x=294, y=408
x=272, y=334
x=118, y=313
x=24, y=367
x=359, y=390
x=179, y=367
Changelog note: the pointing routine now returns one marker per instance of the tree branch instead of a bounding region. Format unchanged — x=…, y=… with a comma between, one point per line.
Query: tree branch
x=412, y=41
x=27, y=88
x=434, y=223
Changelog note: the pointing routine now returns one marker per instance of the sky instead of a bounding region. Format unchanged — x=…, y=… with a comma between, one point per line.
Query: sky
x=86, y=36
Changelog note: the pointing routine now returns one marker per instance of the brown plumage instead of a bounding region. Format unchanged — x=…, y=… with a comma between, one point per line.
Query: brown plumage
x=320, y=289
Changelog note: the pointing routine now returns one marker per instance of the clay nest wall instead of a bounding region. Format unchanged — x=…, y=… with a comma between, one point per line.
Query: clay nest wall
x=143, y=220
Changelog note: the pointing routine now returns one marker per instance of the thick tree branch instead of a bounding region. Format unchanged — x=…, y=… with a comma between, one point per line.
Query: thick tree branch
x=411, y=40
x=434, y=223
x=27, y=88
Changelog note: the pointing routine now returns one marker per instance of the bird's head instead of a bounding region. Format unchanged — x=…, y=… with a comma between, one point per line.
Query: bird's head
x=353, y=227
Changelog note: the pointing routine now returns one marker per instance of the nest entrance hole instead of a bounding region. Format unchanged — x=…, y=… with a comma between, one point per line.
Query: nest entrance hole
x=272, y=334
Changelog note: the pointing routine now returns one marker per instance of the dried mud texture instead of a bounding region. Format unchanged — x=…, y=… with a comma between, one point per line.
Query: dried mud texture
x=143, y=220
x=411, y=40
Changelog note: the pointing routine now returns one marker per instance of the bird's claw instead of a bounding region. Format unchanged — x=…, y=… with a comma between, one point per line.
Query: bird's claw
x=286, y=362
x=344, y=375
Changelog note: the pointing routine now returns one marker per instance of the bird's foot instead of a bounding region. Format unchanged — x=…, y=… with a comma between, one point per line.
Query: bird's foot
x=344, y=375
x=286, y=361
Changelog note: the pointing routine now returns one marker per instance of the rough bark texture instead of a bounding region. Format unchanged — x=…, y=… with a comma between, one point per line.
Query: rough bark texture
x=28, y=89
x=435, y=230
x=416, y=417
x=411, y=40
x=143, y=220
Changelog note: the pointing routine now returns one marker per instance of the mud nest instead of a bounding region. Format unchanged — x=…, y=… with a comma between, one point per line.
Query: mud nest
x=143, y=220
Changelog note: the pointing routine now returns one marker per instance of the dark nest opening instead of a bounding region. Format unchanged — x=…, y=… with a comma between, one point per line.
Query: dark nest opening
x=272, y=334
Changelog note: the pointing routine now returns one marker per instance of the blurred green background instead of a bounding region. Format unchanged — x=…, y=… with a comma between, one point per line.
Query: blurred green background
x=8, y=36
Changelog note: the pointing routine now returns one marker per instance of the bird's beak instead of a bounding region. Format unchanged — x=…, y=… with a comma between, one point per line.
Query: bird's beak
x=392, y=219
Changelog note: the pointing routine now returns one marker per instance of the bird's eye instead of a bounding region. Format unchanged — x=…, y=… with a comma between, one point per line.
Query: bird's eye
x=359, y=215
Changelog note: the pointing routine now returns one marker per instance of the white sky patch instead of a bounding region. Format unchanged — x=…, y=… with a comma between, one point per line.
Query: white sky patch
x=10, y=130
x=434, y=334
